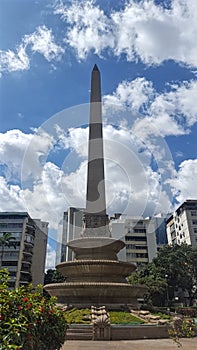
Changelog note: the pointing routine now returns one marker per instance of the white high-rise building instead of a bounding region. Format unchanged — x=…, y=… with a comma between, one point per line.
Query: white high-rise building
x=139, y=236
x=182, y=224
x=72, y=229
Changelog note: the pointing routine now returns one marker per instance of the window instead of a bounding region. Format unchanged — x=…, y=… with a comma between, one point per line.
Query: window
x=139, y=230
x=193, y=212
x=194, y=222
x=195, y=230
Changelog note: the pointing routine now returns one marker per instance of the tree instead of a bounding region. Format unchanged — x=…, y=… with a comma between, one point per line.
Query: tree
x=178, y=264
x=174, y=269
x=156, y=285
x=53, y=276
x=7, y=240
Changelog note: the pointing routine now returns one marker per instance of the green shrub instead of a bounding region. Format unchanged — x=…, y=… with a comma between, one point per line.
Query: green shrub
x=28, y=321
x=187, y=311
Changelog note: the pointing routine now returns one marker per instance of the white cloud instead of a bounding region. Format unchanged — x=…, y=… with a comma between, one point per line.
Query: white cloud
x=14, y=144
x=131, y=94
x=41, y=41
x=141, y=30
x=13, y=61
x=50, y=258
x=89, y=27
x=185, y=182
x=175, y=108
x=11, y=197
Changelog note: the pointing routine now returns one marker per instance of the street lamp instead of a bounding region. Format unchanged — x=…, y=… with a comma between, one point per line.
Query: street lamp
x=167, y=294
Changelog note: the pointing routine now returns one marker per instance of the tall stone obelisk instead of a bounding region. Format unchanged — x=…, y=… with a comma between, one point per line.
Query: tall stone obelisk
x=95, y=219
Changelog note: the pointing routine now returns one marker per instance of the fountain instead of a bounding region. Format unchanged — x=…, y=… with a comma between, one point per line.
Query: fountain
x=96, y=276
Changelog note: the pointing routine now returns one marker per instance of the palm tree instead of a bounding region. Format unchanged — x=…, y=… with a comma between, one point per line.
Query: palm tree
x=6, y=241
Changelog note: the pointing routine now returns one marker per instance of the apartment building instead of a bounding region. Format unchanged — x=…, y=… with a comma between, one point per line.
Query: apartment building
x=139, y=237
x=182, y=224
x=26, y=260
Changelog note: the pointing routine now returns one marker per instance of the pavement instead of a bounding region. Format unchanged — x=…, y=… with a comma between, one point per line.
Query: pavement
x=149, y=344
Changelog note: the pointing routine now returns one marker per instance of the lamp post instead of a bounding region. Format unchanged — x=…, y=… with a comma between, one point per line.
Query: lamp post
x=167, y=294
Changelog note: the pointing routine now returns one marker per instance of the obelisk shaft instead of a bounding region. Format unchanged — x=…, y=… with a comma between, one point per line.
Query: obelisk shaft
x=95, y=199
x=95, y=219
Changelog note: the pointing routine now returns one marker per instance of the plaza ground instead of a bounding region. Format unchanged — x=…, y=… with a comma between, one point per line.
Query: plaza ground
x=149, y=344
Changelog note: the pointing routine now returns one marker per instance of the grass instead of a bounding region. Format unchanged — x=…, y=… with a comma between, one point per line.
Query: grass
x=77, y=316
x=80, y=316
x=121, y=317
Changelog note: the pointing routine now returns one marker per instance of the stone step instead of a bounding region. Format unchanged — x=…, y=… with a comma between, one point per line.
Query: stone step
x=79, y=336
x=79, y=332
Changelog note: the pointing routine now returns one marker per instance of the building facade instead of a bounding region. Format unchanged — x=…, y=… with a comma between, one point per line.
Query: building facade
x=139, y=237
x=142, y=237
x=182, y=224
x=71, y=229
x=25, y=261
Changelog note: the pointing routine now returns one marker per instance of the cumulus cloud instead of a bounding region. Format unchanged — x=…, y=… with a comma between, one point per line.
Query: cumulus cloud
x=130, y=94
x=12, y=61
x=14, y=144
x=141, y=30
x=41, y=41
x=175, y=107
x=50, y=258
x=89, y=28
x=185, y=182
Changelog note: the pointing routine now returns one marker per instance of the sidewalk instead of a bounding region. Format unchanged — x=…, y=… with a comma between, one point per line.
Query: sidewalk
x=149, y=344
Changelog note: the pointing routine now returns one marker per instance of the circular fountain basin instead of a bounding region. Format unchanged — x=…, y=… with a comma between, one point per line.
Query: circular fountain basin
x=95, y=293
x=90, y=248
x=96, y=270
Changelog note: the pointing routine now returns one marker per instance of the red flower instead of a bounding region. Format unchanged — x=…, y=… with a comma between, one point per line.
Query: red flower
x=29, y=305
x=1, y=317
x=19, y=307
x=50, y=311
x=42, y=309
x=25, y=299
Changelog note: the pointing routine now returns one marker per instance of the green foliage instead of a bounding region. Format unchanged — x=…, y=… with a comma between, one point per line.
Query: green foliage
x=53, y=276
x=187, y=311
x=28, y=320
x=6, y=241
x=179, y=264
x=174, y=268
x=121, y=317
x=156, y=284
x=78, y=316
x=182, y=328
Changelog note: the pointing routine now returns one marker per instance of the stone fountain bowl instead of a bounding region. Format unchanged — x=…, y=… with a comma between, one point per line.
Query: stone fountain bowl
x=96, y=248
x=96, y=270
x=96, y=293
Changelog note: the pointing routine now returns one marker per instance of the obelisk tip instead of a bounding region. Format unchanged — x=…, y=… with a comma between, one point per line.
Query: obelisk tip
x=95, y=68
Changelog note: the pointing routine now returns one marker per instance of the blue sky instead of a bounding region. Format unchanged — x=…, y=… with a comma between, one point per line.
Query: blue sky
x=147, y=54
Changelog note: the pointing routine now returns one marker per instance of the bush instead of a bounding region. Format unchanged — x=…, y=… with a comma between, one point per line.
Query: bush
x=28, y=321
x=187, y=311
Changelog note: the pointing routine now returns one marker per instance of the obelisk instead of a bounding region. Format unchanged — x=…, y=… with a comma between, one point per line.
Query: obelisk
x=95, y=219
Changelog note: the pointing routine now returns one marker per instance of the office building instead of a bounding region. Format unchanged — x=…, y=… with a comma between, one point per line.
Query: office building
x=71, y=229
